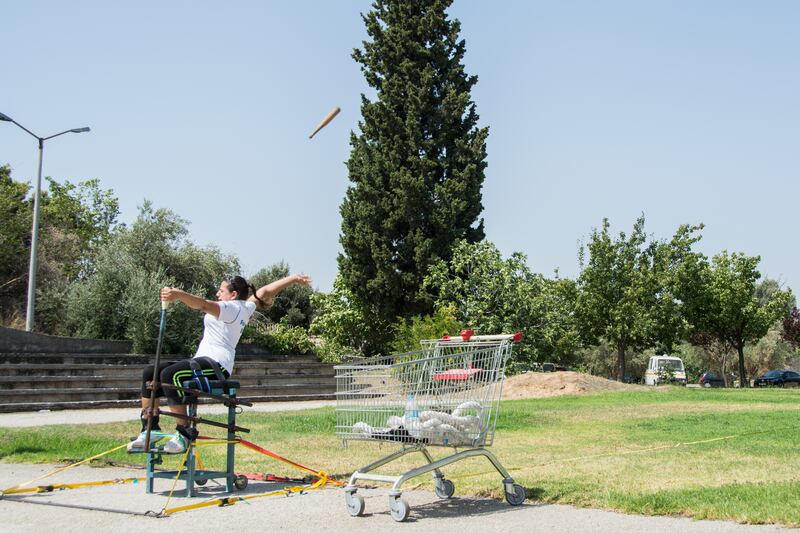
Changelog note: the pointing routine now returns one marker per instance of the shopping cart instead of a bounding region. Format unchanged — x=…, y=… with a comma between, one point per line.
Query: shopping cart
x=447, y=394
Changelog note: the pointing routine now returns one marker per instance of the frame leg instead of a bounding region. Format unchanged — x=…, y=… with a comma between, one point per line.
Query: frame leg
x=231, y=449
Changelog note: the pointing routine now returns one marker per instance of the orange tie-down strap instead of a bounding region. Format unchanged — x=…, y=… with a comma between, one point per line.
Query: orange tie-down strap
x=255, y=447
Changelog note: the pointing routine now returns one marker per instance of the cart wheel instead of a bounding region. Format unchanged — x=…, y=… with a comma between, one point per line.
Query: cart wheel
x=240, y=482
x=445, y=489
x=399, y=509
x=200, y=482
x=355, y=504
x=517, y=497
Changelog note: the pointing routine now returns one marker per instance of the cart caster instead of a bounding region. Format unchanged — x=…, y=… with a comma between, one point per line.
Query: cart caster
x=200, y=482
x=445, y=488
x=517, y=497
x=399, y=509
x=240, y=482
x=355, y=503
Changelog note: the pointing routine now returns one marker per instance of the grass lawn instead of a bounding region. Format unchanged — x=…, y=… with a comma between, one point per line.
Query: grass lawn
x=640, y=452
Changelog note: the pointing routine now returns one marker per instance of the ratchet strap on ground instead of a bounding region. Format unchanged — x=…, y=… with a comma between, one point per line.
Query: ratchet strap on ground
x=233, y=500
x=64, y=486
x=321, y=482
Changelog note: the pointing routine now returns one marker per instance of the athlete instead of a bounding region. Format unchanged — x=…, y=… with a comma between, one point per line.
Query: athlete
x=223, y=324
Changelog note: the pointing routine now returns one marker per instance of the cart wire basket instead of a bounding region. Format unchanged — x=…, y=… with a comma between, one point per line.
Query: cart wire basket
x=446, y=394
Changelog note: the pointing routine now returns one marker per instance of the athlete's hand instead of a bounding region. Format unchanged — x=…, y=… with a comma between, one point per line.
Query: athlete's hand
x=302, y=279
x=169, y=294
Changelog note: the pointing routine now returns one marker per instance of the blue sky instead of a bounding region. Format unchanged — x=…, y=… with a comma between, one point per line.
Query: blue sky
x=685, y=111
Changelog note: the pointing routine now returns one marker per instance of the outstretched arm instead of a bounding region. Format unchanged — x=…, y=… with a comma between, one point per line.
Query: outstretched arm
x=270, y=291
x=169, y=294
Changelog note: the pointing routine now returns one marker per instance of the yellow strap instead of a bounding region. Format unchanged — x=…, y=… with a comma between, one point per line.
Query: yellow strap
x=178, y=475
x=73, y=465
x=63, y=486
x=222, y=502
x=321, y=481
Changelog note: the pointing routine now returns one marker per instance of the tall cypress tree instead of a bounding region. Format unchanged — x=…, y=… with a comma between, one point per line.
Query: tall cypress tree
x=417, y=166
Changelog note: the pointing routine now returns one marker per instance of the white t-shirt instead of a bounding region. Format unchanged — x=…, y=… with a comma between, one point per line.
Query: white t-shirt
x=220, y=336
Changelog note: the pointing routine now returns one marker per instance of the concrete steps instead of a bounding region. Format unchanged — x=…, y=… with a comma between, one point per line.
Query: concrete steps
x=134, y=359
x=42, y=377
x=134, y=372
x=84, y=394
x=67, y=384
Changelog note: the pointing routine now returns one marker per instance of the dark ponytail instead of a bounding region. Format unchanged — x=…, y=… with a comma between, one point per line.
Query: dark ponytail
x=243, y=289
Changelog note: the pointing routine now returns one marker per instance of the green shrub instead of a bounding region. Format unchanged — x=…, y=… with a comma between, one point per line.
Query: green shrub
x=277, y=338
x=292, y=306
x=338, y=319
x=330, y=352
x=409, y=332
x=120, y=300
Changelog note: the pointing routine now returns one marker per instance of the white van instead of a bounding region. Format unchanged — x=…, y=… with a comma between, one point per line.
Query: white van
x=665, y=367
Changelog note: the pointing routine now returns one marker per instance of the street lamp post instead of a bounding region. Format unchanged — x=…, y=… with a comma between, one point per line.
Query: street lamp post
x=35, y=231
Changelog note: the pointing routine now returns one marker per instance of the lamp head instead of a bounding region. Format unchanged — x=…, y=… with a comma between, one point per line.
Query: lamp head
x=79, y=130
x=5, y=118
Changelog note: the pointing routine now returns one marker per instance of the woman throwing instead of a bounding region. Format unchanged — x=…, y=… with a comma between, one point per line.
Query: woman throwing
x=223, y=323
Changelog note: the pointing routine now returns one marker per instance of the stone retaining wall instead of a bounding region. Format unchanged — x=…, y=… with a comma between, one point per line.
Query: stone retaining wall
x=16, y=341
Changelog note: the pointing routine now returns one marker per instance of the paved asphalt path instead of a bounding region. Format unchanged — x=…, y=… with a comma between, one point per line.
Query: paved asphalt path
x=321, y=510
x=97, y=416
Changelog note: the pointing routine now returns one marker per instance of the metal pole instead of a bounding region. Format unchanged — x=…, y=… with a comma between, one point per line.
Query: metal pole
x=156, y=377
x=34, y=243
x=35, y=231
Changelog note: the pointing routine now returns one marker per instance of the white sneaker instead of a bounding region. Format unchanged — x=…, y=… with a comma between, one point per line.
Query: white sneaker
x=138, y=443
x=176, y=444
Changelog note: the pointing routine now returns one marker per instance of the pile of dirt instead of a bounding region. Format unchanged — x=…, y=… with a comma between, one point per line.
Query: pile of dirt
x=546, y=384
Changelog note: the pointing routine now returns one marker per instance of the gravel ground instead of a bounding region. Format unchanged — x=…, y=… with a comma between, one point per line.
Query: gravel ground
x=321, y=510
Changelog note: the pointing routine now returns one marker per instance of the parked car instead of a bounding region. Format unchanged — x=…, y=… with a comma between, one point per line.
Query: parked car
x=778, y=378
x=710, y=379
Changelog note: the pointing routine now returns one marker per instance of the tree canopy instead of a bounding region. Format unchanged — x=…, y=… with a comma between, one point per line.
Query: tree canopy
x=627, y=289
x=417, y=165
x=614, y=301
x=76, y=220
x=292, y=306
x=490, y=294
x=791, y=327
x=726, y=302
x=121, y=299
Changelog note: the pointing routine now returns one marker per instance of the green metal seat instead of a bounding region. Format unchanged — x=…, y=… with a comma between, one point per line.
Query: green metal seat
x=225, y=391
